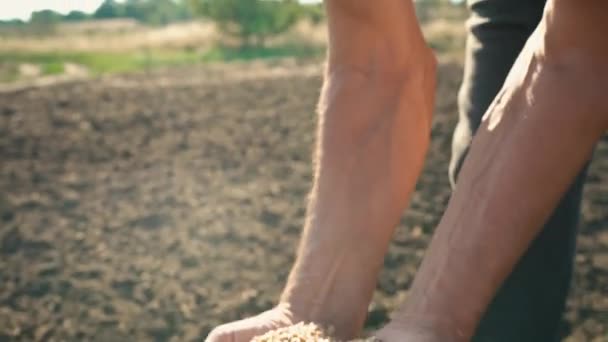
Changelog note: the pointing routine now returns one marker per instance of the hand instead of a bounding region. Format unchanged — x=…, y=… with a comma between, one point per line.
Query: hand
x=246, y=329
x=396, y=332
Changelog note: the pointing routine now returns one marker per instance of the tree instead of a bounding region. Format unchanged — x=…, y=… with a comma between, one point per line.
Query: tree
x=76, y=16
x=250, y=20
x=156, y=12
x=314, y=12
x=44, y=22
x=12, y=23
x=135, y=9
x=109, y=9
x=161, y=12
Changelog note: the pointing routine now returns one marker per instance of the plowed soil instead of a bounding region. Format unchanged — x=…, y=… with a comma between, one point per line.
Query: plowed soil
x=154, y=207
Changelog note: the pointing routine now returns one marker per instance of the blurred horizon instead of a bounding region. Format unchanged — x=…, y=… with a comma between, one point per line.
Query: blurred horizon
x=66, y=39
x=23, y=9
x=157, y=158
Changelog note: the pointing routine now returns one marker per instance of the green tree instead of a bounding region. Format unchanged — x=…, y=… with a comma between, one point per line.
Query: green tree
x=44, y=22
x=161, y=12
x=314, y=12
x=12, y=23
x=76, y=16
x=135, y=9
x=156, y=12
x=109, y=9
x=252, y=21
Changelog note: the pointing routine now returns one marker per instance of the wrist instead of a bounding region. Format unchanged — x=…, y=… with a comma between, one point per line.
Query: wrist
x=446, y=321
x=337, y=298
x=421, y=329
x=380, y=35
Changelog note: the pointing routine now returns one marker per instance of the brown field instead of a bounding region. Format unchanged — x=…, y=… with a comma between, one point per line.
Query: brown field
x=154, y=207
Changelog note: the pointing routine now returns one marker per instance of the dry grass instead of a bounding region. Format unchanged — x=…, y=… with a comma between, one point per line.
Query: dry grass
x=111, y=46
x=114, y=37
x=447, y=37
x=444, y=35
x=122, y=45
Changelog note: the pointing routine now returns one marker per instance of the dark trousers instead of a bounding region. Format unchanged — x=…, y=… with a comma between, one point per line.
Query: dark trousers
x=529, y=306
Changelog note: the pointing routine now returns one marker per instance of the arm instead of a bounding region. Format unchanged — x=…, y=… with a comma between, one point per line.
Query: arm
x=374, y=125
x=536, y=136
x=373, y=132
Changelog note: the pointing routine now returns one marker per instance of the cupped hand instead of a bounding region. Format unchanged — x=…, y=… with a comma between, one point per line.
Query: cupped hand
x=246, y=329
x=395, y=332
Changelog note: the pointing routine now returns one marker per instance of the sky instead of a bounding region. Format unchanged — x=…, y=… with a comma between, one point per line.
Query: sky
x=22, y=9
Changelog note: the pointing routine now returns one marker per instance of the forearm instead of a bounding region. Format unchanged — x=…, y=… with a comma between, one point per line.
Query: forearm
x=373, y=132
x=535, y=138
x=374, y=36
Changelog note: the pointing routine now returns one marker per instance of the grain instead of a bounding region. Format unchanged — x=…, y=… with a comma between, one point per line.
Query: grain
x=301, y=332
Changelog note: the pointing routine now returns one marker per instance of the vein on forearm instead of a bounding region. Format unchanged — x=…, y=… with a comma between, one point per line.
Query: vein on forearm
x=533, y=141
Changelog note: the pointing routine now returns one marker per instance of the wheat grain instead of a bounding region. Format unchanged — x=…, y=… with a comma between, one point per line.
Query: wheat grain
x=301, y=332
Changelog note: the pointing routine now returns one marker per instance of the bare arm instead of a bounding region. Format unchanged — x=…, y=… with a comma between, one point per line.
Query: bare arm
x=373, y=132
x=534, y=139
x=374, y=124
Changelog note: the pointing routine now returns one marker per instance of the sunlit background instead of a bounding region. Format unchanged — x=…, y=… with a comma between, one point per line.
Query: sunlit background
x=23, y=9
x=155, y=163
x=72, y=39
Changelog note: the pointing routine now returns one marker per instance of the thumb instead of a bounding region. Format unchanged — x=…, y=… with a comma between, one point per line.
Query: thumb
x=223, y=333
x=245, y=330
x=240, y=331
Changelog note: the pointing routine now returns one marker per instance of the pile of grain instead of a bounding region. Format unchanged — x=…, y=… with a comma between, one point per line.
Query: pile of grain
x=300, y=332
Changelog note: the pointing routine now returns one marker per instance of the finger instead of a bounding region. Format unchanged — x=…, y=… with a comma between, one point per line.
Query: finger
x=240, y=331
x=220, y=334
